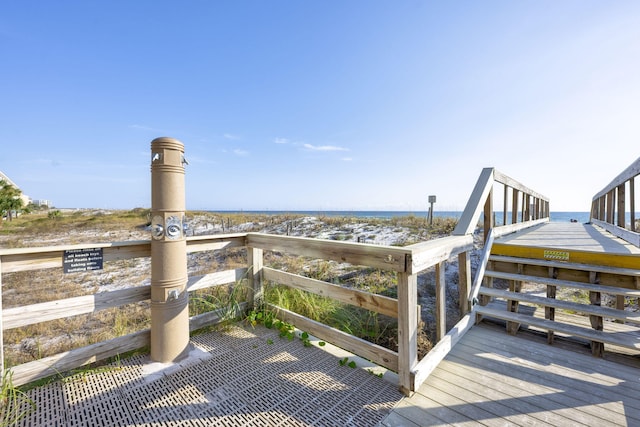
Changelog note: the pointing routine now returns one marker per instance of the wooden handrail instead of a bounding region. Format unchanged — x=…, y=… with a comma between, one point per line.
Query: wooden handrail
x=477, y=281
x=609, y=205
x=481, y=202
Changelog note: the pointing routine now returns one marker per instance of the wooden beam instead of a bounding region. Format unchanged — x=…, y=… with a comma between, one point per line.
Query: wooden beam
x=464, y=282
x=407, y=331
x=621, y=206
x=441, y=302
x=630, y=172
x=632, y=203
x=383, y=257
x=377, y=354
x=63, y=362
x=25, y=259
x=215, y=242
x=218, y=278
x=471, y=214
x=255, y=260
x=368, y=301
x=514, y=206
x=429, y=253
x=504, y=179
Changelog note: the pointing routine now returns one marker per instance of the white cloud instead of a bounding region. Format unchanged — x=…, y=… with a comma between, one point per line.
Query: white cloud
x=281, y=140
x=231, y=137
x=239, y=152
x=346, y=159
x=324, y=147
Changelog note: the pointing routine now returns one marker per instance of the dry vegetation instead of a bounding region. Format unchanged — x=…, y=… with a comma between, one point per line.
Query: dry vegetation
x=47, y=338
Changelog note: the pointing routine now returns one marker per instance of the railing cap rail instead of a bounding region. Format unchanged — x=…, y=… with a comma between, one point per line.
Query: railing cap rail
x=630, y=172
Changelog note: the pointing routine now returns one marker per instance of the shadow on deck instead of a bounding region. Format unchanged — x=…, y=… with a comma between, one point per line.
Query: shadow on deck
x=493, y=378
x=236, y=377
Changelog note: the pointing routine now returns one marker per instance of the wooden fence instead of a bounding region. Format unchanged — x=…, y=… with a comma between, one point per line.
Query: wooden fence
x=407, y=262
x=609, y=206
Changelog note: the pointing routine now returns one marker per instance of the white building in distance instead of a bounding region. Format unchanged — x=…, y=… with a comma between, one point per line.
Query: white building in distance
x=25, y=199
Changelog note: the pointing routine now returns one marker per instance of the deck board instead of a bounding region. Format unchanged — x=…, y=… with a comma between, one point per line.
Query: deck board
x=493, y=378
x=566, y=235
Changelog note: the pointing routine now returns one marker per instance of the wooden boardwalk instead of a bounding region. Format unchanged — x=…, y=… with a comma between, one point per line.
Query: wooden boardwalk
x=495, y=379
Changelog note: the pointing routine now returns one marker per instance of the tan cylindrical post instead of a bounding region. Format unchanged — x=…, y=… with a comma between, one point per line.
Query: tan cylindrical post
x=169, y=299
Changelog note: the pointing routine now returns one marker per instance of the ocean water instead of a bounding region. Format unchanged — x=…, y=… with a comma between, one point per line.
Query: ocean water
x=581, y=217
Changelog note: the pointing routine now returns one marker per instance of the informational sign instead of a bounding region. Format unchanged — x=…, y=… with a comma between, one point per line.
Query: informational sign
x=77, y=260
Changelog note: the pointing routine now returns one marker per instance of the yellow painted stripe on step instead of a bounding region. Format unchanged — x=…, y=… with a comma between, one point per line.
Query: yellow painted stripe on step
x=582, y=257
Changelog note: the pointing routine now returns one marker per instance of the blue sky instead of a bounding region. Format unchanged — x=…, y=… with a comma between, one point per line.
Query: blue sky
x=308, y=105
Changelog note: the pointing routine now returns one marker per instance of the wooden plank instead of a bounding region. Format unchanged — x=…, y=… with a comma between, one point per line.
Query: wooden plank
x=564, y=283
x=407, y=330
x=215, y=242
x=383, y=257
x=561, y=304
x=433, y=358
x=582, y=401
x=215, y=317
x=480, y=274
x=44, y=312
x=464, y=282
x=211, y=280
x=631, y=171
x=567, y=265
x=517, y=405
x=441, y=302
x=475, y=205
x=466, y=404
x=626, y=235
x=54, y=365
x=496, y=400
x=255, y=282
x=429, y=253
x=504, y=179
x=560, y=368
x=373, y=352
x=503, y=230
x=626, y=341
x=372, y=302
x=25, y=259
x=1, y=324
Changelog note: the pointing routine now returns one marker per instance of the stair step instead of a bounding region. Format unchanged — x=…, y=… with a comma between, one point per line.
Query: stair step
x=619, y=339
x=567, y=265
x=564, y=283
x=628, y=316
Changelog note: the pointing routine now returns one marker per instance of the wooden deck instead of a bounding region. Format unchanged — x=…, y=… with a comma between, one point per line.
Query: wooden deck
x=574, y=242
x=495, y=379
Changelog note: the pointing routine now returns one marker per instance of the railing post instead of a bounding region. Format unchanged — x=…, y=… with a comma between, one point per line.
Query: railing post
x=407, y=330
x=255, y=260
x=1, y=325
x=621, y=206
x=505, y=204
x=611, y=196
x=464, y=282
x=632, y=203
x=514, y=206
x=169, y=296
x=488, y=215
x=441, y=302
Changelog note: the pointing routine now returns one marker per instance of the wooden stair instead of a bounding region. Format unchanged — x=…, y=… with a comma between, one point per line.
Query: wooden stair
x=598, y=324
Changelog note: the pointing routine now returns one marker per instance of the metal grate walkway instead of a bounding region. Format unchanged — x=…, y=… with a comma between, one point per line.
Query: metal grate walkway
x=236, y=377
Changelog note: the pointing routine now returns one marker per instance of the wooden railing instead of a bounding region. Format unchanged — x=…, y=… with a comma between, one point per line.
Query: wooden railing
x=527, y=207
x=407, y=262
x=609, y=206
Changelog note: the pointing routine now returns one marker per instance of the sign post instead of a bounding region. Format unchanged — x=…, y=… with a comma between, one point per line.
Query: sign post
x=432, y=200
